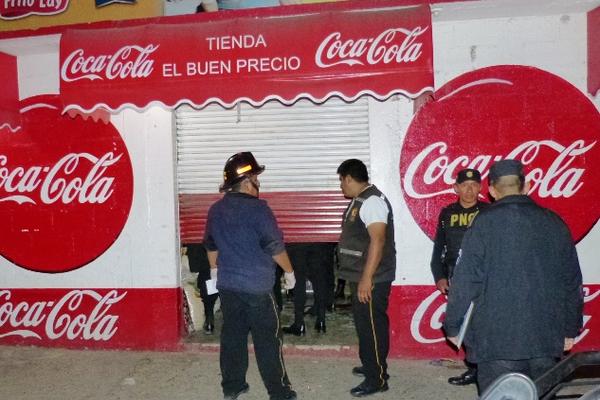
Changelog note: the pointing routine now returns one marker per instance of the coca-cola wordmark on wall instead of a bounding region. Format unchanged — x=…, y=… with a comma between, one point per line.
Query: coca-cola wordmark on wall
x=66, y=318
x=94, y=318
x=506, y=112
x=66, y=190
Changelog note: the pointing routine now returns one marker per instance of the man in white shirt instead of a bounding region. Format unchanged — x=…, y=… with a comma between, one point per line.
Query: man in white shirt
x=367, y=258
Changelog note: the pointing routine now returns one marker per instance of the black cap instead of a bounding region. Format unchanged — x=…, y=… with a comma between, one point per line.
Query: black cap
x=504, y=168
x=468, y=174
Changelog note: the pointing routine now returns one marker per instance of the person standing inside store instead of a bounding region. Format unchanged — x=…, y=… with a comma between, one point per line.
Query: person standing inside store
x=518, y=265
x=244, y=244
x=453, y=222
x=311, y=261
x=367, y=258
x=199, y=263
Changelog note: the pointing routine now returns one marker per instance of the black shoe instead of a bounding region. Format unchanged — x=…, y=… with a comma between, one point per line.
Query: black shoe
x=297, y=330
x=365, y=390
x=320, y=327
x=232, y=396
x=469, y=377
x=288, y=395
x=209, y=326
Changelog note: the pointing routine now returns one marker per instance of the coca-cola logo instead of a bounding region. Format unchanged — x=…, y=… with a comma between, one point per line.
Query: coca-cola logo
x=79, y=314
x=506, y=112
x=66, y=189
x=398, y=46
x=428, y=319
x=127, y=62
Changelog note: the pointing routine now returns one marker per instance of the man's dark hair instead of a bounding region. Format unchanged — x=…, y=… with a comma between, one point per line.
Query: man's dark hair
x=355, y=168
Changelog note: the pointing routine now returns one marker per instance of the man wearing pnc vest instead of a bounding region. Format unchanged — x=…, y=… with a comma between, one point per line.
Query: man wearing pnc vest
x=367, y=258
x=453, y=222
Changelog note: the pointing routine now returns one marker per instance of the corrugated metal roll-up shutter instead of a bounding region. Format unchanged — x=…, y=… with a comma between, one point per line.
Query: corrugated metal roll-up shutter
x=301, y=147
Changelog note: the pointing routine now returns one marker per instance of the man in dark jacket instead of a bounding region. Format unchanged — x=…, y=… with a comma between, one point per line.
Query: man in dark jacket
x=519, y=266
x=367, y=258
x=243, y=240
x=453, y=222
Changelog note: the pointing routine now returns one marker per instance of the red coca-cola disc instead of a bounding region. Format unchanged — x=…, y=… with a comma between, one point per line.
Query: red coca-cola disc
x=66, y=189
x=506, y=112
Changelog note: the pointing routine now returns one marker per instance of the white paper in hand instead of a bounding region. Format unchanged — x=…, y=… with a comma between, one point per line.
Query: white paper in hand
x=211, y=286
x=465, y=325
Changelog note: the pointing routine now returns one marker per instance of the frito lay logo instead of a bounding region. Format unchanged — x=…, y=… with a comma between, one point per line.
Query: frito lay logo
x=66, y=189
x=15, y=9
x=506, y=112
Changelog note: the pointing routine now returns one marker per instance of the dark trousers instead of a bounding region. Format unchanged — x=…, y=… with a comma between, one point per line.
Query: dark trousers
x=199, y=263
x=489, y=371
x=208, y=300
x=372, y=327
x=257, y=314
x=311, y=262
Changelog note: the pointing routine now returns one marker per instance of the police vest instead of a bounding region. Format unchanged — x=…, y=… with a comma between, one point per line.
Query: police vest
x=354, y=242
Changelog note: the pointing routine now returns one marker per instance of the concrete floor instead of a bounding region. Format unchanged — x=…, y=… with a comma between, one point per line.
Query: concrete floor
x=29, y=373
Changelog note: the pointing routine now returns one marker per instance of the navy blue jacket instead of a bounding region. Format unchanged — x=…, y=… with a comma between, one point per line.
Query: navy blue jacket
x=243, y=229
x=519, y=265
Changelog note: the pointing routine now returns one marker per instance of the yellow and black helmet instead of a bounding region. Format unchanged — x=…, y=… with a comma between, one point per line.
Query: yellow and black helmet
x=238, y=167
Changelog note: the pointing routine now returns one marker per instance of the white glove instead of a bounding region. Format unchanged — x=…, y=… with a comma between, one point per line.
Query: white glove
x=289, y=280
x=213, y=273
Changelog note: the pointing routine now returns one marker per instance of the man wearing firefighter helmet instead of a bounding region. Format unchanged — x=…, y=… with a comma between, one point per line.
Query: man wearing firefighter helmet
x=244, y=244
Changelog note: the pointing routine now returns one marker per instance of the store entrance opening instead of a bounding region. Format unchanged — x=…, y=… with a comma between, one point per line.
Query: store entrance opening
x=204, y=315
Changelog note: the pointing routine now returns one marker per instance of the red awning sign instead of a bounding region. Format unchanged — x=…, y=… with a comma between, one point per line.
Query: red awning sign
x=368, y=47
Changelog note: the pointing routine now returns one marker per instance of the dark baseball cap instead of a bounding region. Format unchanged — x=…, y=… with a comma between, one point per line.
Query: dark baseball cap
x=468, y=174
x=505, y=168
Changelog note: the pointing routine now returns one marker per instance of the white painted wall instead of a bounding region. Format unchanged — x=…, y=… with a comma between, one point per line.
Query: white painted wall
x=37, y=63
